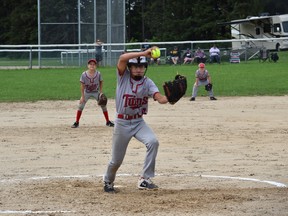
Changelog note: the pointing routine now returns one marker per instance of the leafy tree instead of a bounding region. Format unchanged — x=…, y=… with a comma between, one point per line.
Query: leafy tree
x=275, y=7
x=192, y=20
x=59, y=16
x=18, y=21
x=158, y=20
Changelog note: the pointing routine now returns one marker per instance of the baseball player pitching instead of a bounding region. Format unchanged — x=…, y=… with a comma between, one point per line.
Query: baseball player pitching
x=133, y=91
x=91, y=83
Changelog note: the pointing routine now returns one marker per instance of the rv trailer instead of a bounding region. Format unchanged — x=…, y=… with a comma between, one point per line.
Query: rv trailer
x=270, y=32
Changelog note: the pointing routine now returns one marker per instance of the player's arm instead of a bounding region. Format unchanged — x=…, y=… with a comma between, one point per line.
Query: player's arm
x=162, y=99
x=123, y=59
x=82, y=89
x=209, y=79
x=196, y=81
x=100, y=86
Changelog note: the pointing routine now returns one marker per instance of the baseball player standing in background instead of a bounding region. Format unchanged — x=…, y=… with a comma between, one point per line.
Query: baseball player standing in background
x=132, y=93
x=202, y=78
x=91, y=83
x=98, y=52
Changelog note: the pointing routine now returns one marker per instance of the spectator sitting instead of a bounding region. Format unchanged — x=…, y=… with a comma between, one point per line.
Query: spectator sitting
x=157, y=61
x=144, y=47
x=188, y=56
x=214, y=54
x=174, y=55
x=200, y=56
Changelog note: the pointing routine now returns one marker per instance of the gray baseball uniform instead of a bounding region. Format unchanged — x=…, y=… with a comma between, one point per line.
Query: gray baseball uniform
x=131, y=104
x=202, y=80
x=92, y=85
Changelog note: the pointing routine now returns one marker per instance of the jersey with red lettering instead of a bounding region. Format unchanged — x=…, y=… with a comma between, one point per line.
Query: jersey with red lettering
x=202, y=75
x=92, y=83
x=132, y=96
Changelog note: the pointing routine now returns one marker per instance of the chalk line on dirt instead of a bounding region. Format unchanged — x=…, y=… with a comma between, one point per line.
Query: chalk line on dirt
x=36, y=178
x=274, y=183
x=31, y=212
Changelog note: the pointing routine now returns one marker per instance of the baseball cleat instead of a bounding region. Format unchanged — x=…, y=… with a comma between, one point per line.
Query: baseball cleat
x=146, y=184
x=192, y=99
x=110, y=124
x=75, y=125
x=109, y=187
x=213, y=98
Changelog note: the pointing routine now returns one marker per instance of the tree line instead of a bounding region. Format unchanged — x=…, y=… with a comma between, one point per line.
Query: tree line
x=156, y=20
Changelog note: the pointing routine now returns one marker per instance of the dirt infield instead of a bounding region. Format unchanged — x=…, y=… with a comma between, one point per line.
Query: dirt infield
x=224, y=157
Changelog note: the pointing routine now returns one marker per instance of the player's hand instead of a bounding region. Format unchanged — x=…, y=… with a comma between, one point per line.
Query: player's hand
x=147, y=52
x=82, y=100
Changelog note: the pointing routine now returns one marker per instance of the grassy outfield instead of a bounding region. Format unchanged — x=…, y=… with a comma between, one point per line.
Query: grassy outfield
x=244, y=79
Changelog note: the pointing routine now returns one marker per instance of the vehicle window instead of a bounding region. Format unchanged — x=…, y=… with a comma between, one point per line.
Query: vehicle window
x=277, y=27
x=285, y=26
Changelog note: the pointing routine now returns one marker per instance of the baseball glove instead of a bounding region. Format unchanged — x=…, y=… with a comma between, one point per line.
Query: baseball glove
x=175, y=89
x=102, y=100
x=208, y=87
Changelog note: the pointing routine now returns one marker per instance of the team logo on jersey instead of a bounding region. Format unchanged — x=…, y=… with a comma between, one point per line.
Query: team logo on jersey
x=133, y=102
x=91, y=87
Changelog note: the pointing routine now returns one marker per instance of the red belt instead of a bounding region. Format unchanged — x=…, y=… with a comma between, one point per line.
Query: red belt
x=129, y=117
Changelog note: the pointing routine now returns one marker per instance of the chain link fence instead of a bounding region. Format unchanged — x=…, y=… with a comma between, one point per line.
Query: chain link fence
x=76, y=55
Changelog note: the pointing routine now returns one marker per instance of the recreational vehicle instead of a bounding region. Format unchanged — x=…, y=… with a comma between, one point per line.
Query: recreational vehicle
x=270, y=32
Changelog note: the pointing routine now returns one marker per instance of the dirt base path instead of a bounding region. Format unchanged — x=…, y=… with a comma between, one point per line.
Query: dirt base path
x=224, y=157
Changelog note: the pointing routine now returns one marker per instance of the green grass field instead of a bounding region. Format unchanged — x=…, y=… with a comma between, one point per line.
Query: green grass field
x=245, y=79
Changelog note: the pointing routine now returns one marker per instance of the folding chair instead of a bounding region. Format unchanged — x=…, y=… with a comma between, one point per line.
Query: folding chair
x=234, y=57
x=264, y=55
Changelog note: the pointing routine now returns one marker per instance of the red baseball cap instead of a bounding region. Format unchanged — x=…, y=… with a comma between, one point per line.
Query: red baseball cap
x=201, y=65
x=92, y=60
